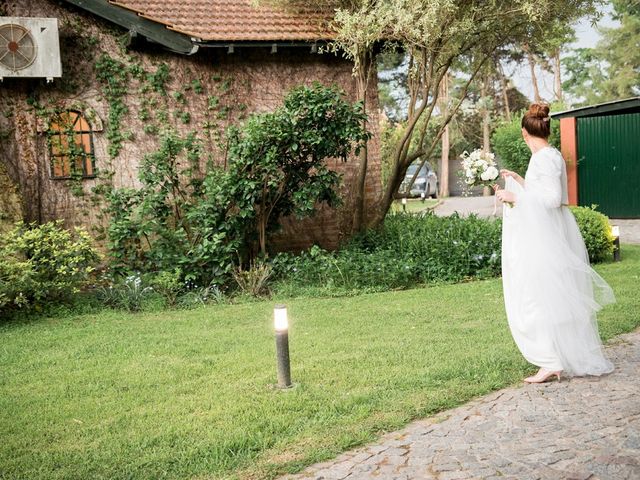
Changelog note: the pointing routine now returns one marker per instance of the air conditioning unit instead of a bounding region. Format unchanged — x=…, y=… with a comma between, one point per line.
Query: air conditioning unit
x=29, y=48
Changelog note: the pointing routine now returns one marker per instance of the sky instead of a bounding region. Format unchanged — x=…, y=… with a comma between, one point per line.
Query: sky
x=587, y=37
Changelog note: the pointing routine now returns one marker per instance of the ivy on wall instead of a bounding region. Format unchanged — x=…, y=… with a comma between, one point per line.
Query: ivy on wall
x=114, y=77
x=137, y=89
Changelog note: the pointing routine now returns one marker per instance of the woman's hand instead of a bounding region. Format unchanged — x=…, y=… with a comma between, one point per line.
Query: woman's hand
x=506, y=196
x=508, y=173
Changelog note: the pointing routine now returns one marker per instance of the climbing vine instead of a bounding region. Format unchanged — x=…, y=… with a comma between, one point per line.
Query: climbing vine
x=114, y=77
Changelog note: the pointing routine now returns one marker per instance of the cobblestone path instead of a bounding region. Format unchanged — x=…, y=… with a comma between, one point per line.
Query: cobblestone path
x=581, y=428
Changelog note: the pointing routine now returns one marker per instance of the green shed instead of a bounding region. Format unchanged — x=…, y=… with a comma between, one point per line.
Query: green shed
x=601, y=145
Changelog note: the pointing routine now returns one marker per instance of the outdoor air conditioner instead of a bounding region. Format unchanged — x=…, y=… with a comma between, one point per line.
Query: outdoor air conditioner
x=29, y=47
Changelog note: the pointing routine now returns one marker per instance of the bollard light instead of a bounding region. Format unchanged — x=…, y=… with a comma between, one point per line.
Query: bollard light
x=281, y=324
x=422, y=196
x=404, y=204
x=280, y=319
x=615, y=231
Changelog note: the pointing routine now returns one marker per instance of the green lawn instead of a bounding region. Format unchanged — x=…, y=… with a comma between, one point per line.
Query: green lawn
x=414, y=205
x=187, y=394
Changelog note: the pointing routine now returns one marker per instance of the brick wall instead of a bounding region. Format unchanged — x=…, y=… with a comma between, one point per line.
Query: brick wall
x=248, y=80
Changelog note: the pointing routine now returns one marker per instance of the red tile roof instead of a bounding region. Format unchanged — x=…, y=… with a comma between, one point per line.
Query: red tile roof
x=234, y=20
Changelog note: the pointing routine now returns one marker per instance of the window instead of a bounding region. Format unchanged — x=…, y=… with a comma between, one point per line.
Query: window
x=71, y=146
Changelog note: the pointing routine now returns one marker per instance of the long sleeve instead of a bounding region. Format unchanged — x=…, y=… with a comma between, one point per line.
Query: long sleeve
x=543, y=182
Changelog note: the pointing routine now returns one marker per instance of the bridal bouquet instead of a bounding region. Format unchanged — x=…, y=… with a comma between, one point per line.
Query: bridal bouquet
x=479, y=168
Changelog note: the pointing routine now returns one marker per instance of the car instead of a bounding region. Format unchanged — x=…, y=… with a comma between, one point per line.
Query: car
x=426, y=184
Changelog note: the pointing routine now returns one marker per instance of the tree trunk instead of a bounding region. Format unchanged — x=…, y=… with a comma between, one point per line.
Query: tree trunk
x=505, y=96
x=557, y=79
x=486, y=118
x=262, y=235
x=444, y=158
x=534, y=79
x=362, y=83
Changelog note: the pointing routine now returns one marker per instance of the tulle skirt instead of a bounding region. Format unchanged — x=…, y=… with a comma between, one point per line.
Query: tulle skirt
x=551, y=293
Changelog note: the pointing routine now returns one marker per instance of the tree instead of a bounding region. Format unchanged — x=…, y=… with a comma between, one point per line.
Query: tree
x=611, y=70
x=438, y=33
x=435, y=34
x=281, y=155
x=356, y=42
x=446, y=144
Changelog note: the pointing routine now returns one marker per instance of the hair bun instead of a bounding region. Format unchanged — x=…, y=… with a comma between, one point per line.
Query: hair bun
x=539, y=110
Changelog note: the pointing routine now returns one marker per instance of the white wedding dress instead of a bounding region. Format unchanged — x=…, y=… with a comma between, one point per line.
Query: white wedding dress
x=551, y=293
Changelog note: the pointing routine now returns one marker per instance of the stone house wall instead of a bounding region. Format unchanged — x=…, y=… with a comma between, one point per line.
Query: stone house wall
x=203, y=93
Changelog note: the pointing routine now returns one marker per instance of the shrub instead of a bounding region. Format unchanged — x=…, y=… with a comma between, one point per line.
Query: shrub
x=509, y=146
x=407, y=250
x=43, y=264
x=168, y=284
x=595, y=229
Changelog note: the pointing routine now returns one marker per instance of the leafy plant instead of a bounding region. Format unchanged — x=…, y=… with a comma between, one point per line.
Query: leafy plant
x=253, y=281
x=279, y=157
x=114, y=77
x=43, y=264
x=596, y=232
x=168, y=284
x=201, y=222
x=129, y=294
x=405, y=251
x=159, y=78
x=200, y=296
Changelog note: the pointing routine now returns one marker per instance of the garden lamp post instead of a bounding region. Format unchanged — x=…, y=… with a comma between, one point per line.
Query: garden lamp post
x=615, y=231
x=281, y=323
x=404, y=204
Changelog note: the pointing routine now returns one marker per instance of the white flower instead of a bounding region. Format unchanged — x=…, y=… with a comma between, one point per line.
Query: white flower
x=490, y=173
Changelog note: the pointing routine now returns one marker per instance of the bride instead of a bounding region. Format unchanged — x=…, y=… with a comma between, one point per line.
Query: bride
x=551, y=293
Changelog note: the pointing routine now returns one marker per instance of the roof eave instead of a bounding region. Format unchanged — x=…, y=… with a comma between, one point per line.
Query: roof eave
x=599, y=109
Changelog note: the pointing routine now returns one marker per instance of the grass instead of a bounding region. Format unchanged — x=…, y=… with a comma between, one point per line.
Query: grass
x=188, y=394
x=415, y=205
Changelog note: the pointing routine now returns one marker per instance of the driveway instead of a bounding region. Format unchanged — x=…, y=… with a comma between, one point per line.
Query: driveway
x=481, y=206
x=484, y=207
x=579, y=429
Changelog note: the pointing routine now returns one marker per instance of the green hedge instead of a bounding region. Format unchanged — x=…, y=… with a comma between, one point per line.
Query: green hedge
x=410, y=250
x=595, y=229
x=407, y=250
x=508, y=144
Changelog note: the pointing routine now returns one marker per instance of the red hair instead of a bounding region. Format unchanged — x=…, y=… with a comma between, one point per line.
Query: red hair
x=536, y=121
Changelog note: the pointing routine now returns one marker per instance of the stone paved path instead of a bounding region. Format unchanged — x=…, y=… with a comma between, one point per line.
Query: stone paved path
x=582, y=428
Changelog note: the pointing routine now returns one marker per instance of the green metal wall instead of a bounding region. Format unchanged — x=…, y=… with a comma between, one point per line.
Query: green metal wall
x=609, y=164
